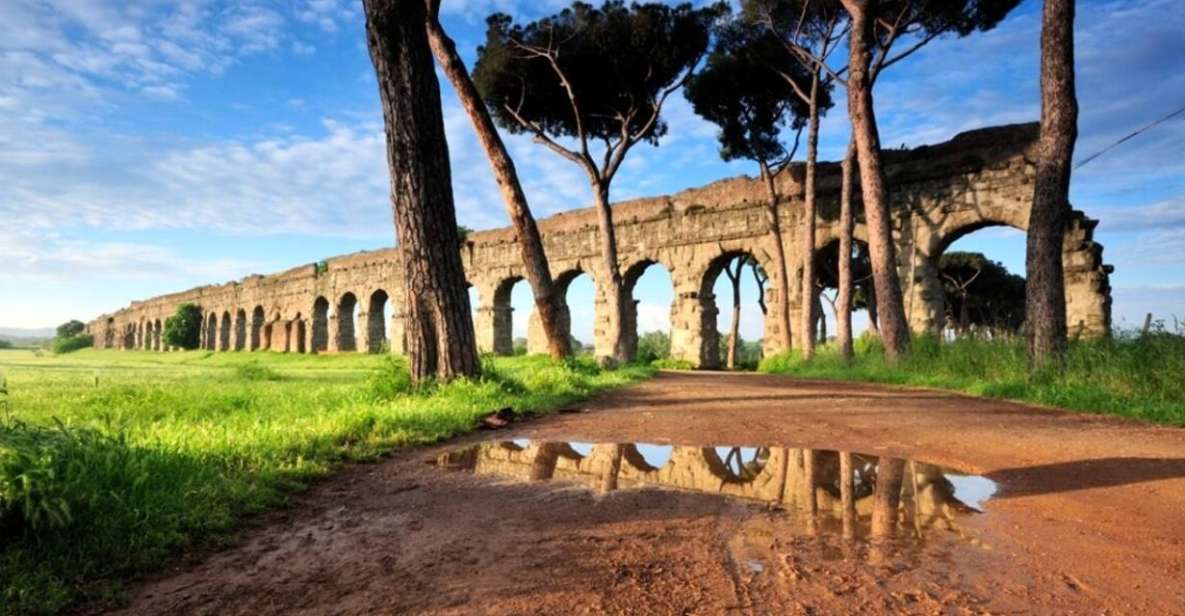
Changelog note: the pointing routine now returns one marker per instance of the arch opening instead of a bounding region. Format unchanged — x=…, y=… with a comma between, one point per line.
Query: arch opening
x=508, y=319
x=257, y=319
x=224, y=332
x=240, y=340
x=157, y=336
x=320, y=341
x=211, y=332
x=975, y=282
x=298, y=330
x=579, y=313
x=376, y=323
x=734, y=294
x=346, y=309
x=651, y=294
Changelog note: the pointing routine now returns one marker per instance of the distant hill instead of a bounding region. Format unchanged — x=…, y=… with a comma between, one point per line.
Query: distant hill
x=25, y=336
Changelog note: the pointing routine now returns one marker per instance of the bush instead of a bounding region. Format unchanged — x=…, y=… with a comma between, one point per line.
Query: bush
x=184, y=328
x=255, y=371
x=653, y=346
x=672, y=364
x=73, y=343
x=390, y=381
x=70, y=329
x=4, y=344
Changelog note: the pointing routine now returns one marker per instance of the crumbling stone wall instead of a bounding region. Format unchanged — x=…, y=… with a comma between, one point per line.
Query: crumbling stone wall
x=939, y=193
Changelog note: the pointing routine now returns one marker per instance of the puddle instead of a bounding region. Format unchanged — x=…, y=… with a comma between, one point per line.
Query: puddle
x=926, y=498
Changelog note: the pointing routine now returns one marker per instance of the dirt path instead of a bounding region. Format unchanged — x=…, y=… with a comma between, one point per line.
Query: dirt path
x=1090, y=518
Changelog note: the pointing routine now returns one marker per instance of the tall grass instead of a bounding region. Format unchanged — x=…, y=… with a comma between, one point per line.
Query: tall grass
x=1131, y=375
x=112, y=462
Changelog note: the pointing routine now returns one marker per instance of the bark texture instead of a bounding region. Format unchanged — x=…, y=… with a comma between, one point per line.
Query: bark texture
x=734, y=330
x=440, y=337
x=782, y=276
x=538, y=272
x=614, y=287
x=889, y=474
x=809, y=294
x=894, y=330
x=1045, y=298
x=843, y=302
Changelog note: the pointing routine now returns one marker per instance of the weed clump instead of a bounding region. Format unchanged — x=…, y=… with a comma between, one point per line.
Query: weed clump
x=255, y=371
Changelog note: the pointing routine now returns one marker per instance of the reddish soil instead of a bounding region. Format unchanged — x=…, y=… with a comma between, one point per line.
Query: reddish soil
x=1090, y=519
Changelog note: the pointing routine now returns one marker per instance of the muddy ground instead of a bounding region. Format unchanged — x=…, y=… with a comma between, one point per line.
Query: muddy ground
x=1089, y=519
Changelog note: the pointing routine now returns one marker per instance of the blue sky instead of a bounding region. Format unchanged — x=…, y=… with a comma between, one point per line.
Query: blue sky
x=149, y=146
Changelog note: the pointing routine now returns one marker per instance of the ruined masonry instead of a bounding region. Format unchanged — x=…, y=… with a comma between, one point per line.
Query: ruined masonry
x=939, y=193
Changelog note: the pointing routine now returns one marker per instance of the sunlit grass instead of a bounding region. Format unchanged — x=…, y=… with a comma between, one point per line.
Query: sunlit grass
x=111, y=462
x=1131, y=375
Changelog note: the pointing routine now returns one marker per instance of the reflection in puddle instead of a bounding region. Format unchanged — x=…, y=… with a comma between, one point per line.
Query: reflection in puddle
x=846, y=494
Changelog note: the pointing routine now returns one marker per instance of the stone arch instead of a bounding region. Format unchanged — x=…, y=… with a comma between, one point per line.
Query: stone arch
x=157, y=336
x=211, y=337
x=630, y=277
x=376, y=321
x=501, y=317
x=109, y=333
x=537, y=341
x=346, y=339
x=1087, y=278
x=240, y=339
x=224, y=330
x=257, y=323
x=701, y=345
x=320, y=340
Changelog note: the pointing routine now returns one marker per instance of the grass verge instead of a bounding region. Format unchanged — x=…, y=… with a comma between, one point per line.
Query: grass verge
x=1142, y=377
x=112, y=462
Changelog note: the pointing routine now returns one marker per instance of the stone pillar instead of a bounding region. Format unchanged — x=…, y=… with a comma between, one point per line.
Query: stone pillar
x=398, y=332
x=1087, y=280
x=693, y=330
x=483, y=329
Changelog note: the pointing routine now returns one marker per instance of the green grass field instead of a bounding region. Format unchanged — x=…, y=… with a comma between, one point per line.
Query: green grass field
x=1129, y=375
x=111, y=462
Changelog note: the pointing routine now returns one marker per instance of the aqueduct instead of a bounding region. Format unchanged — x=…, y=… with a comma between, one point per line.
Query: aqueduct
x=939, y=193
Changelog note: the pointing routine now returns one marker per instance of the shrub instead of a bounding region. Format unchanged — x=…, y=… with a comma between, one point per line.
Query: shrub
x=391, y=380
x=73, y=343
x=255, y=371
x=184, y=328
x=4, y=344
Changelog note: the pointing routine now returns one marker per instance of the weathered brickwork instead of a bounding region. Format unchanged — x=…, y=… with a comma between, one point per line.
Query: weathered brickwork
x=939, y=193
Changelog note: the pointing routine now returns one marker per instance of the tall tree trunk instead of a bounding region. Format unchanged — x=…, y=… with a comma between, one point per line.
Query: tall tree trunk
x=894, y=330
x=847, y=494
x=821, y=320
x=808, y=226
x=1045, y=296
x=613, y=286
x=530, y=243
x=439, y=327
x=843, y=303
x=889, y=474
x=782, y=276
x=734, y=276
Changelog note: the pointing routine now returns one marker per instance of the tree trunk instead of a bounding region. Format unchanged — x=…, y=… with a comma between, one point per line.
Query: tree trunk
x=440, y=335
x=889, y=474
x=808, y=226
x=782, y=276
x=821, y=320
x=530, y=243
x=613, y=286
x=843, y=309
x=735, y=327
x=1045, y=296
x=847, y=494
x=894, y=330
